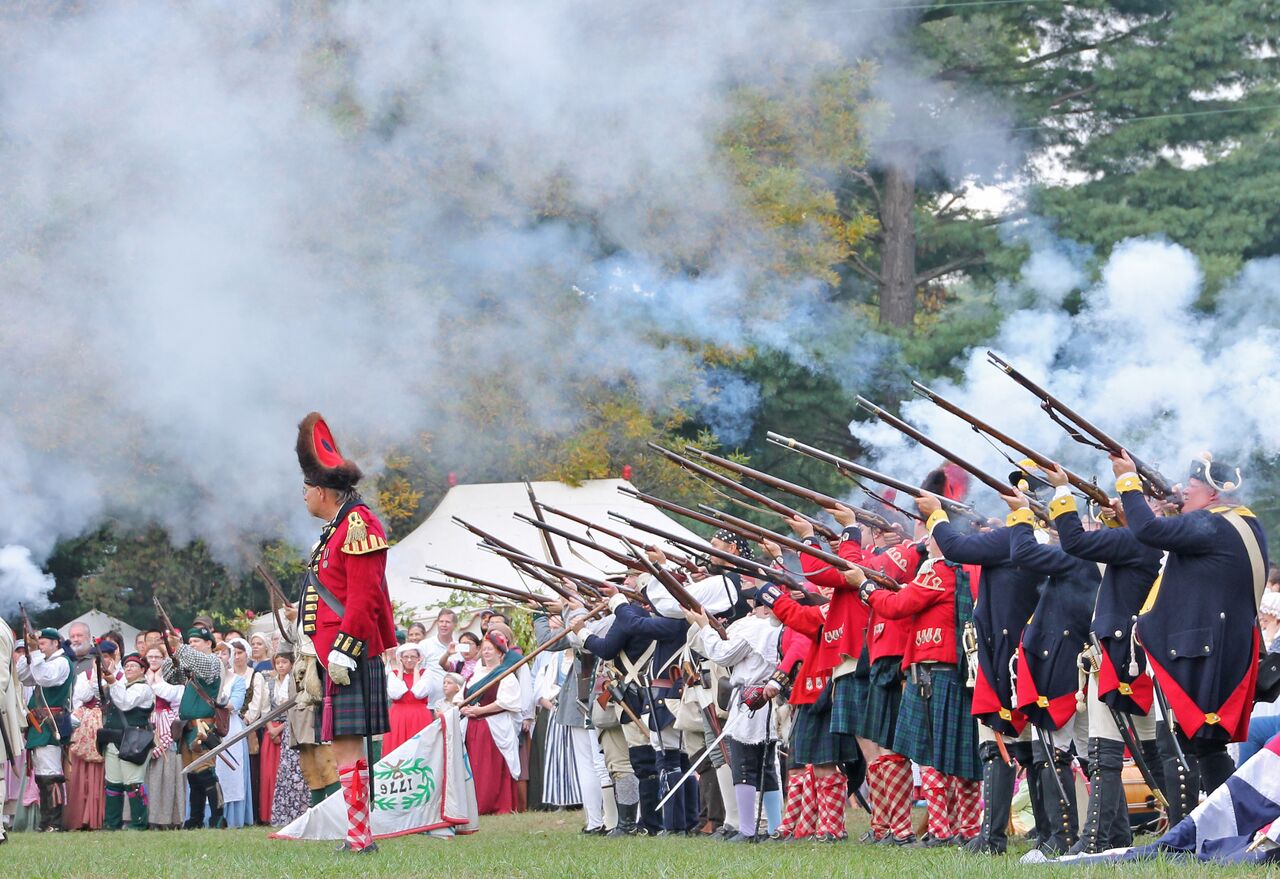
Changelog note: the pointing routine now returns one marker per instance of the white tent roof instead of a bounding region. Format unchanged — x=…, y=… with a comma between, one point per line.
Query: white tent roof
x=100, y=623
x=440, y=542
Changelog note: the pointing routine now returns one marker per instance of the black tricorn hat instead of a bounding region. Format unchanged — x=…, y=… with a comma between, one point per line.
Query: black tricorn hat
x=1222, y=477
x=1026, y=481
x=321, y=460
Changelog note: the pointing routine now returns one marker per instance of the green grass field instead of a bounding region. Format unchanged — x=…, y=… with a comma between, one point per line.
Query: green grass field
x=537, y=845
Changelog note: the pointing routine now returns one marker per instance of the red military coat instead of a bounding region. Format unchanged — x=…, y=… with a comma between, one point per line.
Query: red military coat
x=352, y=565
x=929, y=600
x=887, y=637
x=846, y=624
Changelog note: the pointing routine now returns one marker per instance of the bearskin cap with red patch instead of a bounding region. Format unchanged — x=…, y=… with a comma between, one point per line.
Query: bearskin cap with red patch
x=321, y=461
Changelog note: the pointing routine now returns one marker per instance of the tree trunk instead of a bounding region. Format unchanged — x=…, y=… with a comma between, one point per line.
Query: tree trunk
x=898, y=256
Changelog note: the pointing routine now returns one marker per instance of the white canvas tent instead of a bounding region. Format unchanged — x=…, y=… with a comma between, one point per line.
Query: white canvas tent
x=439, y=541
x=100, y=623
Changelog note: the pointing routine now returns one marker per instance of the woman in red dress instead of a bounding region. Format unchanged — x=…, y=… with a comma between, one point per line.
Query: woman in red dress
x=407, y=689
x=492, y=728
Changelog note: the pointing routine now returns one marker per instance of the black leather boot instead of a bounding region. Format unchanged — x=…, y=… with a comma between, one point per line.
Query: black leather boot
x=626, y=820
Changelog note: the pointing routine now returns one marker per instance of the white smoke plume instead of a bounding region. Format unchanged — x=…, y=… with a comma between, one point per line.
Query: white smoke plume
x=221, y=216
x=1142, y=360
x=22, y=583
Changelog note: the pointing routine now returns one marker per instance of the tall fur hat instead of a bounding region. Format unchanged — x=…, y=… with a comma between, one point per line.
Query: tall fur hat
x=321, y=461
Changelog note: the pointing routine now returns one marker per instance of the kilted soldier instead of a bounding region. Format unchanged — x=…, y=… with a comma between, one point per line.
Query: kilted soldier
x=936, y=728
x=1119, y=687
x=131, y=702
x=751, y=655
x=1198, y=625
x=1048, y=668
x=1006, y=597
x=48, y=670
x=641, y=643
x=889, y=777
x=200, y=672
x=346, y=612
x=816, y=795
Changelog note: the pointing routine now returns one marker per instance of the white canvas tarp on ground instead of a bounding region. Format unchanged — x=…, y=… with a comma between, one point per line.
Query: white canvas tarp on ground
x=491, y=506
x=423, y=785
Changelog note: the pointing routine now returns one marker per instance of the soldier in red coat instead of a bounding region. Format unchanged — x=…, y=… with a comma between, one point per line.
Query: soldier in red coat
x=346, y=612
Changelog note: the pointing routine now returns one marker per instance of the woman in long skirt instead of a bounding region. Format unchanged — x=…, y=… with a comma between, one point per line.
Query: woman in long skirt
x=287, y=796
x=492, y=729
x=237, y=789
x=86, y=773
x=166, y=787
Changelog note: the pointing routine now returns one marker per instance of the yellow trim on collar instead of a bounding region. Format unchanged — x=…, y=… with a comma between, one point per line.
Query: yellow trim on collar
x=1062, y=505
x=935, y=518
x=1023, y=516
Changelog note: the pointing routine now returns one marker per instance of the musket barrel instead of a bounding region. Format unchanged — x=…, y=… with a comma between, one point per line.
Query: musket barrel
x=1095, y=494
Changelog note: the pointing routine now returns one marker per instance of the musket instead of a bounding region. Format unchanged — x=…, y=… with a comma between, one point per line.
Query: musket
x=599, y=610
x=1057, y=410
x=677, y=591
x=32, y=719
x=167, y=624
x=825, y=501
x=276, y=596
x=852, y=470
x=511, y=591
x=214, y=752
x=618, y=557
x=519, y=559
x=759, y=533
x=997, y=485
x=598, y=585
x=680, y=560
x=1091, y=491
x=776, y=507
x=740, y=564
x=479, y=590
x=552, y=555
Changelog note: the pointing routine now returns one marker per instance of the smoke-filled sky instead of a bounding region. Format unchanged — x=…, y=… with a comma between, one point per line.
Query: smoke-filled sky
x=1139, y=360
x=220, y=216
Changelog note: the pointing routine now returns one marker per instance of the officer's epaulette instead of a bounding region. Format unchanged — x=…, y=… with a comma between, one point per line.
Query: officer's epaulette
x=359, y=541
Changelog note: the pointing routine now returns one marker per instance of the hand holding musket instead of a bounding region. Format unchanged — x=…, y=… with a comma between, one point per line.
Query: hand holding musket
x=1057, y=411
x=852, y=470
x=677, y=591
x=1000, y=487
x=1088, y=489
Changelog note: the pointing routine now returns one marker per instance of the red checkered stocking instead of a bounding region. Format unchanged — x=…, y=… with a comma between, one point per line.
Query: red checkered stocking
x=967, y=814
x=791, y=818
x=875, y=791
x=897, y=784
x=830, y=791
x=355, y=790
x=934, y=786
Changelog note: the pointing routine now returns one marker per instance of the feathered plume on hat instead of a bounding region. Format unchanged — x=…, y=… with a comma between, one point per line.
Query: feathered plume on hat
x=1221, y=477
x=321, y=461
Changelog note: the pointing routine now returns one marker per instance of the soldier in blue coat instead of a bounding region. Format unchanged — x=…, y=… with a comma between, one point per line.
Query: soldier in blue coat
x=1007, y=594
x=1118, y=679
x=1198, y=625
x=641, y=643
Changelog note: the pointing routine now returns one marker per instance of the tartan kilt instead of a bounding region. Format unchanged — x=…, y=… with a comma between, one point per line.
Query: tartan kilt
x=351, y=715
x=846, y=707
x=812, y=740
x=954, y=749
x=880, y=719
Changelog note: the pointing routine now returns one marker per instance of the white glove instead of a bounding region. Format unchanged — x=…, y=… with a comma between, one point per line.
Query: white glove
x=340, y=666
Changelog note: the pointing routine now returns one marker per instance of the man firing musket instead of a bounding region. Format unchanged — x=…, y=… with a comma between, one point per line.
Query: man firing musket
x=47, y=669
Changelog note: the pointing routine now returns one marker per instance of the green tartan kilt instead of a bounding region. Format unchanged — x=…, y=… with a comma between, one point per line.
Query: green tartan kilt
x=847, y=704
x=880, y=719
x=813, y=742
x=354, y=712
x=954, y=747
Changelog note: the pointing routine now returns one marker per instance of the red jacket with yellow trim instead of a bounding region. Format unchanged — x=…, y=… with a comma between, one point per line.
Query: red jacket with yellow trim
x=352, y=565
x=803, y=632
x=929, y=601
